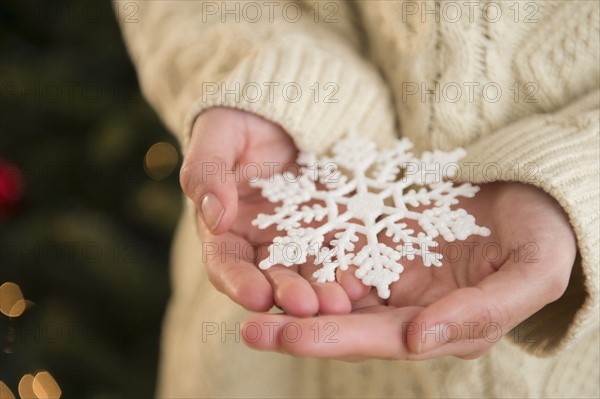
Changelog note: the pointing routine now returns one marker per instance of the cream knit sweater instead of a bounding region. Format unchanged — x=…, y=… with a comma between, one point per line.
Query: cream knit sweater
x=515, y=83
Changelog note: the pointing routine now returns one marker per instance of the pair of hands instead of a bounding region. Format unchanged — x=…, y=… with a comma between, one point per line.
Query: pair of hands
x=485, y=287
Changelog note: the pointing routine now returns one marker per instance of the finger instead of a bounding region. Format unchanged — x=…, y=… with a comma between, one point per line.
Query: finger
x=372, y=299
x=378, y=332
x=488, y=310
x=347, y=279
x=230, y=266
x=353, y=286
x=291, y=292
x=331, y=296
x=206, y=175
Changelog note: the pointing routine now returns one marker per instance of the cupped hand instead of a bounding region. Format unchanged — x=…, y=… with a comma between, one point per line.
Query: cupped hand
x=485, y=287
x=229, y=149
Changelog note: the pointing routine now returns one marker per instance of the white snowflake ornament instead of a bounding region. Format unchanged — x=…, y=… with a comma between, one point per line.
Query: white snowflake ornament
x=360, y=191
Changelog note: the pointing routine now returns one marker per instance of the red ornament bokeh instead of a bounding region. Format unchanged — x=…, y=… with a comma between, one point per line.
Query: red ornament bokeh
x=12, y=186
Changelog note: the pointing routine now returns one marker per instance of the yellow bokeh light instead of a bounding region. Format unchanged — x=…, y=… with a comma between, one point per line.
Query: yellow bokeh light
x=5, y=392
x=26, y=387
x=18, y=308
x=12, y=303
x=160, y=160
x=45, y=386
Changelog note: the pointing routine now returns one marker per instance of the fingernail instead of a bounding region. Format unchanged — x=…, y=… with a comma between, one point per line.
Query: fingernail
x=212, y=210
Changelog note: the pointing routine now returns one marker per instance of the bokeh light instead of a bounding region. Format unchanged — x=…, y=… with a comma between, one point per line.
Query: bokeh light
x=26, y=387
x=45, y=386
x=12, y=303
x=160, y=160
x=5, y=392
x=12, y=184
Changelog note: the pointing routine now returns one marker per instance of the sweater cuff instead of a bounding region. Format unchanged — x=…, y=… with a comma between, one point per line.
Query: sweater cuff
x=558, y=153
x=316, y=96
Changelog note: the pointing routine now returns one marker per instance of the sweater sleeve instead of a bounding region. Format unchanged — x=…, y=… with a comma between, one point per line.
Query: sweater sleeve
x=558, y=153
x=295, y=63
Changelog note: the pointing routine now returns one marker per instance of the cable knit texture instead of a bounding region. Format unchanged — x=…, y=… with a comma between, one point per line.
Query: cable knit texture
x=515, y=83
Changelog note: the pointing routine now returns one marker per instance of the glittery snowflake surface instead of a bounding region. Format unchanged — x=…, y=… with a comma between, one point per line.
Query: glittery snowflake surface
x=360, y=192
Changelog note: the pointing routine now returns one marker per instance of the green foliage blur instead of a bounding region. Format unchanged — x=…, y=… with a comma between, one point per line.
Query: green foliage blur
x=88, y=242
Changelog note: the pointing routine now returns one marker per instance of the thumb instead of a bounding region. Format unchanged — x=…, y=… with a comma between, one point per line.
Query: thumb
x=206, y=175
x=490, y=309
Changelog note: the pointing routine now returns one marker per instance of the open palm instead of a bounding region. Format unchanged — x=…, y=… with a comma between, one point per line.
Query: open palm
x=228, y=150
x=485, y=287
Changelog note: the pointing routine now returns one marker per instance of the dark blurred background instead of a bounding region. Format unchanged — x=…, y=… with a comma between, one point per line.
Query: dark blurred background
x=89, y=199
